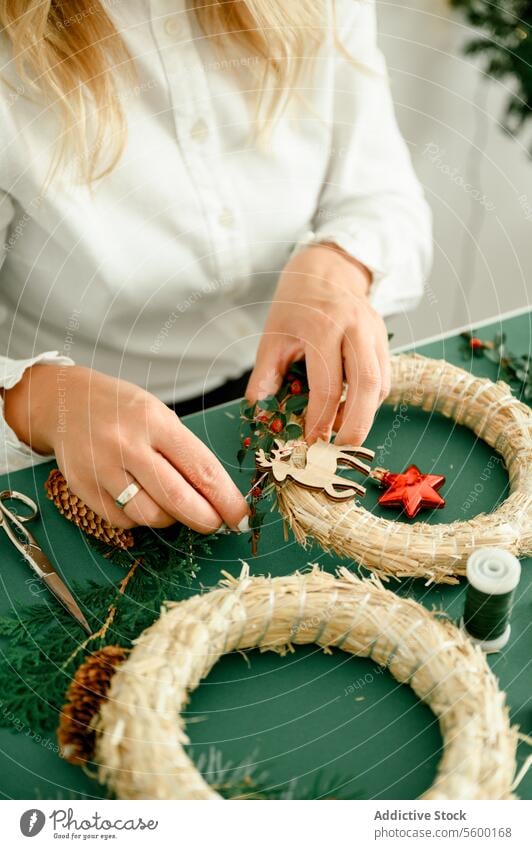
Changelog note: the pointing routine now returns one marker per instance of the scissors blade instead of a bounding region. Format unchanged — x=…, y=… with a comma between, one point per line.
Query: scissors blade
x=55, y=584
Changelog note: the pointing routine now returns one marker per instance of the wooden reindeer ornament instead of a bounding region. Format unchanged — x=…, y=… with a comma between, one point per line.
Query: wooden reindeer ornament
x=319, y=472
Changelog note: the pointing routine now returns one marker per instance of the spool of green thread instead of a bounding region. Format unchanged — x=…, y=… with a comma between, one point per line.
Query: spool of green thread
x=493, y=575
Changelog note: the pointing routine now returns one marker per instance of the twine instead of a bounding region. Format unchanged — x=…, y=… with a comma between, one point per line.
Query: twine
x=438, y=553
x=141, y=731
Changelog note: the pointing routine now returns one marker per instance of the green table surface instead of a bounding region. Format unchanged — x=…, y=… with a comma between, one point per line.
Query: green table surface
x=322, y=719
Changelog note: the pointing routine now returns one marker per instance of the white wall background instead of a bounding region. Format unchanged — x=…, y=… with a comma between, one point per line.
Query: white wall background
x=478, y=180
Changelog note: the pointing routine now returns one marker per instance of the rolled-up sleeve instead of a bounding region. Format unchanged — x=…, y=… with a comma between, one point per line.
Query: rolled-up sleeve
x=372, y=205
x=15, y=454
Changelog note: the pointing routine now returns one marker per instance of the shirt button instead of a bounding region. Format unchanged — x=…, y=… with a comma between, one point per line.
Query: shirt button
x=199, y=130
x=226, y=219
x=173, y=25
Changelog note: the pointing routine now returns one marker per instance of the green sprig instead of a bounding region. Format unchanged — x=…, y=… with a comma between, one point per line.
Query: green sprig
x=244, y=780
x=269, y=419
x=39, y=639
x=516, y=368
x=504, y=41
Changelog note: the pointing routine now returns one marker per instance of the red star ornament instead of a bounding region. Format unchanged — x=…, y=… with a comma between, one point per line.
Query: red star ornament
x=412, y=490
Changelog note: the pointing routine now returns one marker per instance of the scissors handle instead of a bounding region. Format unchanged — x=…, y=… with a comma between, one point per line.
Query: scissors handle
x=13, y=495
x=19, y=535
x=25, y=542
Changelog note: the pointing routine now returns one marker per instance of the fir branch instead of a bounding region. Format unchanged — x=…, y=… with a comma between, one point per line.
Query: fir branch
x=244, y=780
x=41, y=640
x=505, y=43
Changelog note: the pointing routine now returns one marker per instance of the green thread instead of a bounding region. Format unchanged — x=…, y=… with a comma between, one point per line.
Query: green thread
x=486, y=617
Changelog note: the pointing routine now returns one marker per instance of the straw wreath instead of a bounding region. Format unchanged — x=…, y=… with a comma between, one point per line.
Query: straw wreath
x=140, y=733
x=435, y=552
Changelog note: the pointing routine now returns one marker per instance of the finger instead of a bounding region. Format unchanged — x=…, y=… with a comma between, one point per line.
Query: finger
x=339, y=417
x=267, y=375
x=383, y=354
x=142, y=508
x=325, y=379
x=204, y=472
x=97, y=498
x=175, y=495
x=363, y=391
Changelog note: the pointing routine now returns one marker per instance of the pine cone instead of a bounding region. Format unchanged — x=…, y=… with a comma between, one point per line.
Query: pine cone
x=75, y=510
x=87, y=690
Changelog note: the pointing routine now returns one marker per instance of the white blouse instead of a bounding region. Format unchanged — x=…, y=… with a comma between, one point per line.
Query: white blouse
x=162, y=273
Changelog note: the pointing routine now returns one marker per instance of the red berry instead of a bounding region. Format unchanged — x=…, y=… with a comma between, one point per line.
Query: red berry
x=256, y=492
x=277, y=426
x=476, y=343
x=246, y=442
x=263, y=417
x=296, y=387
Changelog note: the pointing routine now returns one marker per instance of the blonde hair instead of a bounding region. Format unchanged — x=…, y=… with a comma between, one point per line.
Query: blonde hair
x=70, y=52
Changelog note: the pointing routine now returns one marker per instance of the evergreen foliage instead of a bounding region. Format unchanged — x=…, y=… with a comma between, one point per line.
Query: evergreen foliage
x=504, y=42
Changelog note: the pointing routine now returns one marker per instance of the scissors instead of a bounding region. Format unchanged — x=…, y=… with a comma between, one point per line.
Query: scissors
x=13, y=524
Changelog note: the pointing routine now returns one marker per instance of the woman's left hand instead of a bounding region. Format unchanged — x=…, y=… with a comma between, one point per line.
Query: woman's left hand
x=321, y=312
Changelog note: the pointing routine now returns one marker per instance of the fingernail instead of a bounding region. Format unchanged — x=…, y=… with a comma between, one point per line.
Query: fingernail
x=223, y=529
x=243, y=525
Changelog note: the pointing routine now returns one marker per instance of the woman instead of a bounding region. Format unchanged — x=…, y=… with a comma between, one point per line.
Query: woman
x=186, y=191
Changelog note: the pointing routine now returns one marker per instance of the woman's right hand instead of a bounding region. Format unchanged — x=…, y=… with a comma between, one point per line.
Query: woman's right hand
x=106, y=433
